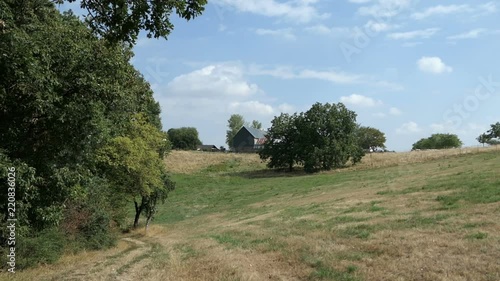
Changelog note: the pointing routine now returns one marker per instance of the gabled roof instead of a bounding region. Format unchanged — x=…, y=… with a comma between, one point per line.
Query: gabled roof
x=206, y=146
x=256, y=133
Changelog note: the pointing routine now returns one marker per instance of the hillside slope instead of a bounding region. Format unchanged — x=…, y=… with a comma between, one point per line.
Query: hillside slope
x=433, y=220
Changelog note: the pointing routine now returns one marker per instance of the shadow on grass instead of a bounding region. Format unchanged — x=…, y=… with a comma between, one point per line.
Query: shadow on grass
x=271, y=173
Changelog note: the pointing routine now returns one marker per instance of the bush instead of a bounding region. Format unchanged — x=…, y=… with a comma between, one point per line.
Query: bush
x=44, y=248
x=438, y=141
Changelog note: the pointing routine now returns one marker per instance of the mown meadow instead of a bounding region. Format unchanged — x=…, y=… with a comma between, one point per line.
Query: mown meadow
x=430, y=218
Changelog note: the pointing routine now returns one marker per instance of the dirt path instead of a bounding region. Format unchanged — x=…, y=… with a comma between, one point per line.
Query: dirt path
x=180, y=252
x=116, y=264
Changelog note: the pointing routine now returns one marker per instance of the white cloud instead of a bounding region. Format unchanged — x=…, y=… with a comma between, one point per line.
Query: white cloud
x=251, y=107
x=332, y=76
x=475, y=33
x=205, y=98
x=286, y=108
x=286, y=33
x=283, y=72
x=213, y=81
x=360, y=100
x=287, y=72
x=441, y=10
x=301, y=11
x=433, y=65
x=486, y=8
x=395, y=111
x=422, y=34
x=322, y=29
x=359, y=1
x=411, y=44
x=489, y=7
x=376, y=26
x=385, y=8
x=379, y=115
x=408, y=128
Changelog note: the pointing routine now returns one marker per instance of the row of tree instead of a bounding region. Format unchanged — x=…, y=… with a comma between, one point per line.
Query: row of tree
x=78, y=123
x=443, y=141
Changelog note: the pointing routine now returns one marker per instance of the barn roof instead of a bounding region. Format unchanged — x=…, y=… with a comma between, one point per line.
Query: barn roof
x=207, y=146
x=256, y=133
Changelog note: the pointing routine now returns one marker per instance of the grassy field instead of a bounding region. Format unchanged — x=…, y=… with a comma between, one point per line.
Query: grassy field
x=397, y=216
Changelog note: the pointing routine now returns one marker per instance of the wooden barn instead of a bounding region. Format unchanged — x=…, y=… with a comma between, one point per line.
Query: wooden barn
x=249, y=139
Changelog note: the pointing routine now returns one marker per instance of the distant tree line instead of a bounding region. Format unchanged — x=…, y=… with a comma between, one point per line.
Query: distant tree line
x=492, y=136
x=185, y=138
x=438, y=141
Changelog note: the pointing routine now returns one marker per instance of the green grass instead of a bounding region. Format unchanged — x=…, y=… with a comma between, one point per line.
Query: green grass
x=158, y=256
x=187, y=251
x=298, y=207
x=324, y=272
x=362, y=231
x=477, y=235
x=347, y=225
x=418, y=221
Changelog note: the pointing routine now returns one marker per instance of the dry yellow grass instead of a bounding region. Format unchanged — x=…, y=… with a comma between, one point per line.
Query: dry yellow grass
x=298, y=237
x=188, y=162
x=376, y=160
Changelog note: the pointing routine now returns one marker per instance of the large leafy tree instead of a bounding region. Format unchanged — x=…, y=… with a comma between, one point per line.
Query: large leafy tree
x=185, y=138
x=370, y=138
x=234, y=124
x=122, y=20
x=328, y=137
x=322, y=138
x=438, y=141
x=282, y=147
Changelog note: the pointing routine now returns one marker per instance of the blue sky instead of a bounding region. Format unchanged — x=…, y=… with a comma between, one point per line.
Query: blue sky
x=409, y=68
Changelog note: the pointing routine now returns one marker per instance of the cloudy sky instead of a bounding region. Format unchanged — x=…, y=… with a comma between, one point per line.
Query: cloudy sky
x=409, y=68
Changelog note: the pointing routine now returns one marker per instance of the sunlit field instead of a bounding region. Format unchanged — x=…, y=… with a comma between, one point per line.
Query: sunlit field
x=426, y=215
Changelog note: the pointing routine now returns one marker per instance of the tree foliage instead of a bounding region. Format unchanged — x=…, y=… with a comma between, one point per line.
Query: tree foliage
x=492, y=136
x=438, y=141
x=256, y=124
x=282, y=145
x=121, y=21
x=322, y=138
x=370, y=138
x=80, y=125
x=235, y=122
x=185, y=138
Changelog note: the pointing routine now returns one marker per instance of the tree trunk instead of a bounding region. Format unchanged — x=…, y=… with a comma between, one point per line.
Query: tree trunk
x=138, y=211
x=147, y=222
